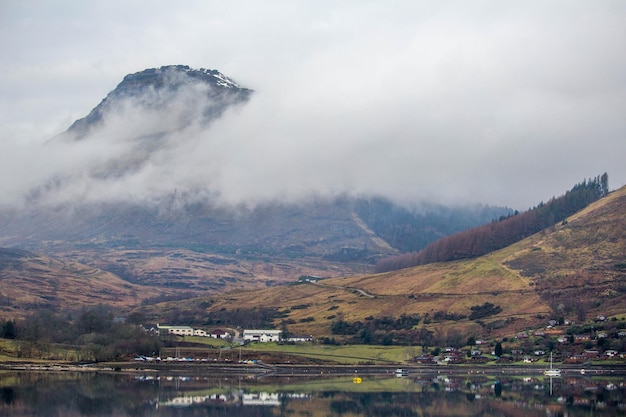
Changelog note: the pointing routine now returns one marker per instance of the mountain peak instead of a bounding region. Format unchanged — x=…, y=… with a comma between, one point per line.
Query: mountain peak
x=154, y=88
x=157, y=77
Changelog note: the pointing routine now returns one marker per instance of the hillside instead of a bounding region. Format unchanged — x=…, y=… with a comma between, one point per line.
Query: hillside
x=31, y=282
x=183, y=238
x=201, y=246
x=575, y=270
x=496, y=235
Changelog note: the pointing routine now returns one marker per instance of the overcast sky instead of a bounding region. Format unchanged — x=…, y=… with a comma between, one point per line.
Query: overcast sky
x=496, y=102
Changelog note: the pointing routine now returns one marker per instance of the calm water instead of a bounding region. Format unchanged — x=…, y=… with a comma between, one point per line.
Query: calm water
x=425, y=394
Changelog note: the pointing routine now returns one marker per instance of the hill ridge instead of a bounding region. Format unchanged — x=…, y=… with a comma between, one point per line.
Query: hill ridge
x=506, y=284
x=483, y=239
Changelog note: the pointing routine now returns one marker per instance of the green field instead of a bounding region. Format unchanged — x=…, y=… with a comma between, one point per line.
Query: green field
x=348, y=354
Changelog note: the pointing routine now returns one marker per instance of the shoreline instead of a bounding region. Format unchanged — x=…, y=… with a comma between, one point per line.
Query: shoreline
x=308, y=370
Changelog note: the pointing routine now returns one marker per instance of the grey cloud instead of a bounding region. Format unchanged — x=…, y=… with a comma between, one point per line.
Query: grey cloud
x=501, y=103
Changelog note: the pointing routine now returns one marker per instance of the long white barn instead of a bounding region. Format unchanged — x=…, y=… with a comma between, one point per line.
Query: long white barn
x=177, y=330
x=262, y=335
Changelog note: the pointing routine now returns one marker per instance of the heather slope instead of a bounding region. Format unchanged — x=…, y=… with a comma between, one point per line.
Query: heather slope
x=29, y=281
x=496, y=235
x=579, y=266
x=575, y=269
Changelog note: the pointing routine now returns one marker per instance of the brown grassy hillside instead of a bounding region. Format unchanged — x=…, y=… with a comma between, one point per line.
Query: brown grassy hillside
x=576, y=270
x=190, y=271
x=29, y=281
x=579, y=267
x=127, y=278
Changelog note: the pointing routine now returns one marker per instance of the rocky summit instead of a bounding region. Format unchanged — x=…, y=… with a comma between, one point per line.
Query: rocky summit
x=160, y=88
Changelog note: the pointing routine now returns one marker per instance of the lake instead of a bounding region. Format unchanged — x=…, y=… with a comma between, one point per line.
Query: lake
x=421, y=393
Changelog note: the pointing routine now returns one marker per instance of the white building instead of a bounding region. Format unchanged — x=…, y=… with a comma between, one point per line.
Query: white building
x=177, y=330
x=261, y=335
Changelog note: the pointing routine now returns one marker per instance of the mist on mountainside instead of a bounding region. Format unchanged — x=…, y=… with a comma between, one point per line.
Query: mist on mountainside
x=196, y=136
x=140, y=144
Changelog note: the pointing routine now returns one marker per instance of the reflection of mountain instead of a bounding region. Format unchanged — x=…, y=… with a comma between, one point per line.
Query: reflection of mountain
x=74, y=394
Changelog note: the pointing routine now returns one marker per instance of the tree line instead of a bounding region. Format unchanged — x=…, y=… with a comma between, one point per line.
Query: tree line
x=505, y=231
x=382, y=330
x=412, y=229
x=89, y=335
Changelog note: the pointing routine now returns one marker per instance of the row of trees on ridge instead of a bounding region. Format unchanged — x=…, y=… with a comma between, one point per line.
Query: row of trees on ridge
x=481, y=240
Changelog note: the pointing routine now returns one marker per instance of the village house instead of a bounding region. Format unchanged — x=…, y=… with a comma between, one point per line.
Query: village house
x=453, y=356
x=578, y=358
x=219, y=334
x=424, y=359
x=480, y=359
x=177, y=330
x=189, y=331
x=309, y=278
x=262, y=336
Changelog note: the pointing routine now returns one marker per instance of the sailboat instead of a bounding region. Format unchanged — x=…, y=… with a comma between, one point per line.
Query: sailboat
x=552, y=371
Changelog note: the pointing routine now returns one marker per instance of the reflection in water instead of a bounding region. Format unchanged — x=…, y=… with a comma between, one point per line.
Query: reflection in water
x=118, y=394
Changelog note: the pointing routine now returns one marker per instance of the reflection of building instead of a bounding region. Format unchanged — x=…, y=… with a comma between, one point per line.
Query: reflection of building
x=185, y=401
x=235, y=398
x=261, y=335
x=261, y=398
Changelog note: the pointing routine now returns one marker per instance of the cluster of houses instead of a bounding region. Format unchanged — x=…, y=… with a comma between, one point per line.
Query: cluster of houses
x=573, y=348
x=248, y=335
x=449, y=355
x=457, y=356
